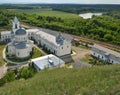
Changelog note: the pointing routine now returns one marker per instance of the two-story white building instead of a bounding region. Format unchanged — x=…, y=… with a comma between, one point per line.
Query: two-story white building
x=59, y=44
x=105, y=54
x=5, y=36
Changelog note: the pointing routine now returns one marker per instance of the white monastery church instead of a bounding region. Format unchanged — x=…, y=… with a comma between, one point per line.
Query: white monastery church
x=21, y=46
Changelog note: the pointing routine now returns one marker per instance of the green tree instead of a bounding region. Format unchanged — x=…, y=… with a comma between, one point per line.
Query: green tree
x=10, y=76
x=108, y=37
x=26, y=73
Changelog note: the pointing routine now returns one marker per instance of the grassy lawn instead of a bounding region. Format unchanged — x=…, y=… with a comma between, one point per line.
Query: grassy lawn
x=50, y=12
x=102, y=80
x=36, y=54
x=1, y=57
x=87, y=58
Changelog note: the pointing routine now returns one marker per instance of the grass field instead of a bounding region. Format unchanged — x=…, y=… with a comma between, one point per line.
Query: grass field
x=103, y=80
x=36, y=53
x=1, y=57
x=49, y=12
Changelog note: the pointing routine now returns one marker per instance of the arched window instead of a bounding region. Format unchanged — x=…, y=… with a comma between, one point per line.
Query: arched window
x=98, y=56
x=15, y=26
x=112, y=61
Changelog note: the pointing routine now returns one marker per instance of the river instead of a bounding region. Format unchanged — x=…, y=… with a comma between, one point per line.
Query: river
x=89, y=15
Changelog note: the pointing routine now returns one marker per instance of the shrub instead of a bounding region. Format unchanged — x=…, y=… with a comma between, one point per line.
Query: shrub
x=10, y=76
x=26, y=73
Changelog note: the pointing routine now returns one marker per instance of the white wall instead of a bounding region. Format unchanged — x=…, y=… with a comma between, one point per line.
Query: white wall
x=50, y=42
x=22, y=53
x=11, y=50
x=64, y=50
x=5, y=35
x=21, y=38
x=113, y=61
x=102, y=57
x=14, y=28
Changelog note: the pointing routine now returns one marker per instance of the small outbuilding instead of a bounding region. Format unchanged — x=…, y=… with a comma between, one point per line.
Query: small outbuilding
x=46, y=62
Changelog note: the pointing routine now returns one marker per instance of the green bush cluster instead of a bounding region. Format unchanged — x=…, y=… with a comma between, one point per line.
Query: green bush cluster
x=26, y=73
x=10, y=76
x=13, y=75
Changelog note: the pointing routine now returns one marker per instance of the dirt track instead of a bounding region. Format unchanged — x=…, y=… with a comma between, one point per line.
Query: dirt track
x=80, y=53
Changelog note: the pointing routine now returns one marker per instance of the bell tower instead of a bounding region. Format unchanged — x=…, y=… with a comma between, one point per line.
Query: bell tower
x=16, y=24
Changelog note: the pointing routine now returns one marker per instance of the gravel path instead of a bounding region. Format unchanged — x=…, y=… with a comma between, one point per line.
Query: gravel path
x=3, y=70
x=80, y=53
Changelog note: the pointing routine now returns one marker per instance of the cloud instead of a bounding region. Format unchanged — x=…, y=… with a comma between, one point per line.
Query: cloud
x=64, y=1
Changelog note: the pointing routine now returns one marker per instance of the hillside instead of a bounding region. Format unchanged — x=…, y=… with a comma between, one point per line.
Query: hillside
x=102, y=80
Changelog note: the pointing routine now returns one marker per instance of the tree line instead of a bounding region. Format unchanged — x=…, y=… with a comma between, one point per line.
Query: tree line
x=104, y=28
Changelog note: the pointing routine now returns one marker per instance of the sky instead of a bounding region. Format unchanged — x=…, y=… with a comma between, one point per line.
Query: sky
x=63, y=1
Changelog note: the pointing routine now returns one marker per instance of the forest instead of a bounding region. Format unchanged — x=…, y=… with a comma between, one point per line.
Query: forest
x=103, y=28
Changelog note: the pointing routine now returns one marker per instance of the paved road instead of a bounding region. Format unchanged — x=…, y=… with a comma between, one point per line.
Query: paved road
x=79, y=64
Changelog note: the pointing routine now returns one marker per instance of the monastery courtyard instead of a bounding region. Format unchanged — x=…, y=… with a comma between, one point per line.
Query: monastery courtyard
x=81, y=53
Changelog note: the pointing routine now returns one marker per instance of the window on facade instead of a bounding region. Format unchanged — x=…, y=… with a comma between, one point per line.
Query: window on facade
x=18, y=53
x=15, y=26
x=67, y=46
x=102, y=57
x=98, y=56
x=61, y=47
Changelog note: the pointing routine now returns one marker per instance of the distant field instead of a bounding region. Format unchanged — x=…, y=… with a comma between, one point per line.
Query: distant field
x=49, y=12
x=103, y=80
